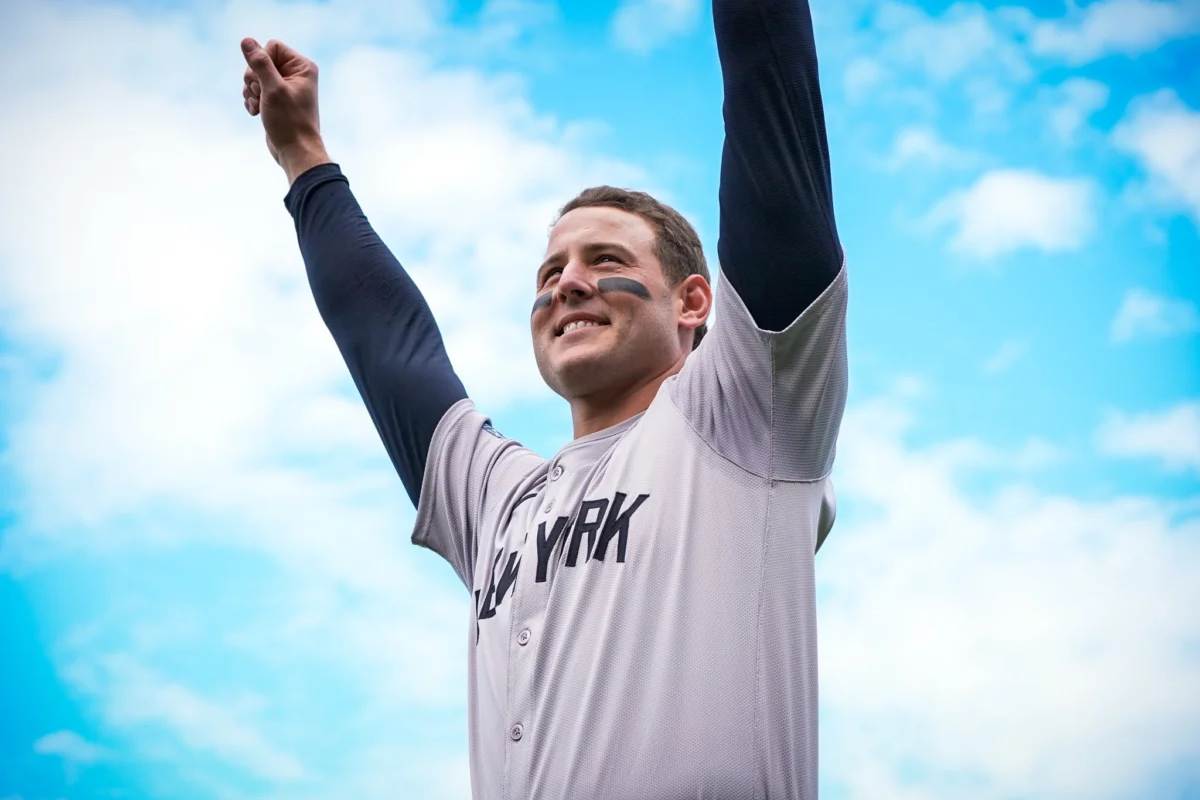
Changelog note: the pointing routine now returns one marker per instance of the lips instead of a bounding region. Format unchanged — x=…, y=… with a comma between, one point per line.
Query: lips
x=578, y=321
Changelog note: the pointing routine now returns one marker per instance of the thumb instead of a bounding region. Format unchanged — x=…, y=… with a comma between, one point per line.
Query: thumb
x=260, y=61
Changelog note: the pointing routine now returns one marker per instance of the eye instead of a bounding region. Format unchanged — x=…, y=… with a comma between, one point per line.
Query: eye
x=549, y=274
x=609, y=256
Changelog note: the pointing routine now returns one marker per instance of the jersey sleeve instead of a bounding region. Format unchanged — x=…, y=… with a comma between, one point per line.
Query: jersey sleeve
x=473, y=472
x=381, y=323
x=767, y=387
x=778, y=243
x=770, y=401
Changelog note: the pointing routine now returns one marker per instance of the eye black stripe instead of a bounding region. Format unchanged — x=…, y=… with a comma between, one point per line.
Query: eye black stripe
x=623, y=285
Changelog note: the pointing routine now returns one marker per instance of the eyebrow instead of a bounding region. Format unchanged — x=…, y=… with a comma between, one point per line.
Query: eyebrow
x=589, y=249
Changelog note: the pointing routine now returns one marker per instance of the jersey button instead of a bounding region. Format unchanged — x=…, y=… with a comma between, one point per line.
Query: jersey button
x=556, y=473
x=523, y=637
x=516, y=732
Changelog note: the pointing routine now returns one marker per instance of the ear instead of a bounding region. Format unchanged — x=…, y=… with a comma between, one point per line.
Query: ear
x=693, y=299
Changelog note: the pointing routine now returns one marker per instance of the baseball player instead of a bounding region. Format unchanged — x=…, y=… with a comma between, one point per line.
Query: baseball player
x=643, y=621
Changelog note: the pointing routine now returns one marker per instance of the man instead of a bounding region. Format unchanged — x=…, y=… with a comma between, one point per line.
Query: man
x=644, y=619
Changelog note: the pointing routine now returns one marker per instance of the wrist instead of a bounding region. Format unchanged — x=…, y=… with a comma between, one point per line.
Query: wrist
x=298, y=159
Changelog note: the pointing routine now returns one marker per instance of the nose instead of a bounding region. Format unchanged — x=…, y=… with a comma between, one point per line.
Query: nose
x=575, y=282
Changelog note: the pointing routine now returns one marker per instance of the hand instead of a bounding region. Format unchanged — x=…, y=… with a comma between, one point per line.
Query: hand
x=281, y=85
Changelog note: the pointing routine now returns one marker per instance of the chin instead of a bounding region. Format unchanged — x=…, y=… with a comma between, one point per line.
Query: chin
x=581, y=373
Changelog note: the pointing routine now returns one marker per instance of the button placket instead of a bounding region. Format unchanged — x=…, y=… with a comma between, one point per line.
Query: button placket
x=528, y=611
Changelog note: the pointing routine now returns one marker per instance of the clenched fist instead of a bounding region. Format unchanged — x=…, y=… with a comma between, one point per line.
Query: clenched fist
x=281, y=86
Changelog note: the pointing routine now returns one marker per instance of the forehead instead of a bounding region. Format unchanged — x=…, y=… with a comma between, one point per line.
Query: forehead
x=601, y=223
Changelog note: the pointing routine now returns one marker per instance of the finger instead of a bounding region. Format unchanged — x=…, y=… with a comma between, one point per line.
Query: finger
x=283, y=55
x=255, y=88
x=260, y=62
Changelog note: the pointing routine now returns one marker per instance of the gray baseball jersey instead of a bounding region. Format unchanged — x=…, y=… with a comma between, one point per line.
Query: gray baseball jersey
x=644, y=618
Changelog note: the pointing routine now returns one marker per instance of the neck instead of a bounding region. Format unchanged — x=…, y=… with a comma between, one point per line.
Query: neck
x=603, y=410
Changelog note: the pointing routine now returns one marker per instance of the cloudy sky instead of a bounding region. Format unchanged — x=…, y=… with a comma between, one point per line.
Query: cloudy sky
x=206, y=583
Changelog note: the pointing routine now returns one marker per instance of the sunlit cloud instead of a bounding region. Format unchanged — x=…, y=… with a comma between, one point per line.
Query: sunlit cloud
x=1164, y=135
x=1146, y=314
x=964, y=38
x=642, y=25
x=1170, y=436
x=73, y=749
x=1006, y=210
x=1012, y=622
x=1127, y=27
x=1072, y=103
x=922, y=147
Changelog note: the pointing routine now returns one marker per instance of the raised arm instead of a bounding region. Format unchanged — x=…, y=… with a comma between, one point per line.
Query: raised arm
x=778, y=244
x=379, y=319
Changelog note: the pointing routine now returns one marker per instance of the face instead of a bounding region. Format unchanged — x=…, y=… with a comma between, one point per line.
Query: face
x=604, y=318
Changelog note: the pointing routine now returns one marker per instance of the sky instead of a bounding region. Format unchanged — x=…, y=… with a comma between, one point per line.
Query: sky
x=207, y=588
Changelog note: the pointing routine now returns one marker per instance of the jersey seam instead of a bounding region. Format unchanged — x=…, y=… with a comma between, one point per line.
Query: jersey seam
x=770, y=337
x=759, y=757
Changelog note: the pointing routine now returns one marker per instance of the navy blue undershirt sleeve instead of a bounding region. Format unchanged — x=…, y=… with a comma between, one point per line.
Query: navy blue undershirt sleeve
x=778, y=243
x=378, y=317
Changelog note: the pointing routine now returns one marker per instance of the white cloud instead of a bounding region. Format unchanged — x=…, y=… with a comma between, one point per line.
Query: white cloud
x=642, y=25
x=1072, y=103
x=965, y=37
x=503, y=22
x=70, y=747
x=1006, y=210
x=922, y=146
x=1005, y=356
x=1144, y=313
x=997, y=635
x=133, y=696
x=1171, y=436
x=1164, y=135
x=969, y=454
x=1129, y=27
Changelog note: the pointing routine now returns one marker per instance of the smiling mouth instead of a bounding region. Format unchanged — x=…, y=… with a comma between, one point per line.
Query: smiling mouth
x=580, y=324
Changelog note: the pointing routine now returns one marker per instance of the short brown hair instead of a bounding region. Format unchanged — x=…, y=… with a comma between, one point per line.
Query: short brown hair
x=676, y=244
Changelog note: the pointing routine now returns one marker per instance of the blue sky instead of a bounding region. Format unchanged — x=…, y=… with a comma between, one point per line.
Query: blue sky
x=206, y=583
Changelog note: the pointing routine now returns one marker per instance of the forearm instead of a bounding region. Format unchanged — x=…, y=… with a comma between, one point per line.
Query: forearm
x=301, y=158
x=379, y=319
x=778, y=242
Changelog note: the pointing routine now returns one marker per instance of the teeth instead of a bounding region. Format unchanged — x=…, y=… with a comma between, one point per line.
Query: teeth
x=579, y=323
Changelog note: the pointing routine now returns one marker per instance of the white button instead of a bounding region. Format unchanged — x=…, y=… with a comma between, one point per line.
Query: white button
x=523, y=637
x=557, y=472
x=516, y=732
x=549, y=505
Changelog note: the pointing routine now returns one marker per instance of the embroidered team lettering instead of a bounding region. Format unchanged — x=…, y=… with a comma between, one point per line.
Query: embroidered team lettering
x=598, y=531
x=599, y=520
